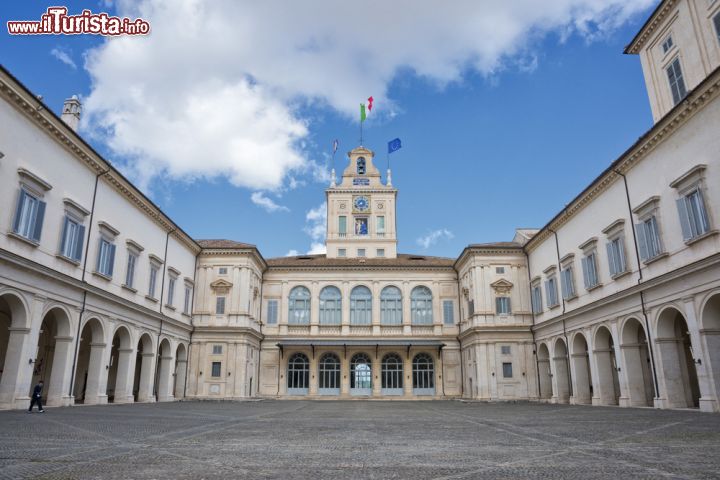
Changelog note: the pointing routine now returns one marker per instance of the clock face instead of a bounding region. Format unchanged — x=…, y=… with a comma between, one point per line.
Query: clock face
x=361, y=203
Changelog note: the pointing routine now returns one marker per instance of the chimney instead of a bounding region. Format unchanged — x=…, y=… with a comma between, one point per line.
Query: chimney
x=71, y=112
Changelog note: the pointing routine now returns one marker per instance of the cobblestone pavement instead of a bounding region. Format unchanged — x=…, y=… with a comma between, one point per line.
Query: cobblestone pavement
x=356, y=440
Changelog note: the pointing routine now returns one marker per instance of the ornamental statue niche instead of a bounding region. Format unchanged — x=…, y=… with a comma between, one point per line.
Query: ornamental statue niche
x=361, y=226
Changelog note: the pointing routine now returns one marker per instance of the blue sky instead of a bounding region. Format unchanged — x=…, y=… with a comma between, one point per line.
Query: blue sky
x=488, y=145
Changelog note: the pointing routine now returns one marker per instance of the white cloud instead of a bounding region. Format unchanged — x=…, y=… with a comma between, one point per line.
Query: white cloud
x=292, y=253
x=433, y=237
x=259, y=199
x=317, y=248
x=63, y=55
x=315, y=228
x=214, y=90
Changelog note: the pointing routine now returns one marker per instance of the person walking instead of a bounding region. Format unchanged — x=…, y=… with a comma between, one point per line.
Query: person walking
x=37, y=398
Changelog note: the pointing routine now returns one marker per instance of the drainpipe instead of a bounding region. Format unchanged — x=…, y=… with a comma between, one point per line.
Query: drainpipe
x=640, y=280
x=532, y=329
x=257, y=372
x=192, y=308
x=462, y=360
x=567, y=343
x=162, y=293
x=84, y=270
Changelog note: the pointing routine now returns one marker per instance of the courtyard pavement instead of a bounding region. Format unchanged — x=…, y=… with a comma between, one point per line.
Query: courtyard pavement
x=357, y=440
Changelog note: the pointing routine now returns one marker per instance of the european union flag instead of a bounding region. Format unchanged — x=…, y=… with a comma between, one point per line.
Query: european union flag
x=394, y=145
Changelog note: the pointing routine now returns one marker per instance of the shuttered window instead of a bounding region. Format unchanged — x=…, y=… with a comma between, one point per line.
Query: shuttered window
x=568, y=283
x=536, y=299
x=589, y=266
x=677, y=83
x=272, y=312
x=616, y=256
x=448, y=313
x=73, y=235
x=29, y=216
x=106, y=257
x=693, y=215
x=648, y=237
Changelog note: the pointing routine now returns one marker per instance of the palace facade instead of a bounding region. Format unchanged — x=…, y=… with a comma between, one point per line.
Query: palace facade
x=615, y=301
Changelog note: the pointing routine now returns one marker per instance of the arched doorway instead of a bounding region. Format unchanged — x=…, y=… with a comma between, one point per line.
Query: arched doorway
x=543, y=356
x=90, y=366
x=164, y=385
x=118, y=381
x=51, y=359
x=423, y=374
x=144, y=370
x=608, y=385
x=391, y=374
x=583, y=391
x=677, y=360
x=560, y=375
x=710, y=335
x=298, y=374
x=329, y=374
x=360, y=375
x=636, y=360
x=12, y=314
x=180, y=370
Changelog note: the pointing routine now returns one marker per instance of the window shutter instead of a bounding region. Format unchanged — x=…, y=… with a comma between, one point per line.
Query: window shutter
x=703, y=220
x=63, y=236
x=18, y=210
x=80, y=232
x=642, y=239
x=611, y=259
x=37, y=230
x=586, y=272
x=684, y=220
x=498, y=307
x=621, y=253
x=111, y=259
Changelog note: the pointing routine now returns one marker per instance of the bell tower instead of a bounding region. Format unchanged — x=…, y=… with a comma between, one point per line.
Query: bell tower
x=361, y=211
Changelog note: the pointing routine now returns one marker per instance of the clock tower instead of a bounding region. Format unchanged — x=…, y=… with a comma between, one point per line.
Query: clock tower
x=361, y=211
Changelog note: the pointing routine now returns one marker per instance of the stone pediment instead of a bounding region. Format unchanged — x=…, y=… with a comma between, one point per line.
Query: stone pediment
x=221, y=286
x=501, y=286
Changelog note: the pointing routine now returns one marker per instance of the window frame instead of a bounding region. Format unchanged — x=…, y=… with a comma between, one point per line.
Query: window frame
x=330, y=312
x=220, y=305
x=361, y=305
x=273, y=305
x=299, y=305
x=448, y=313
x=503, y=305
x=421, y=305
x=391, y=305
x=676, y=80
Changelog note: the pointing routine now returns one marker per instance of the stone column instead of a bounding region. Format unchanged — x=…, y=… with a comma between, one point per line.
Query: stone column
x=165, y=379
x=124, y=377
x=407, y=373
x=344, y=374
x=180, y=372
x=16, y=364
x=375, y=308
x=345, y=328
x=708, y=401
x=407, y=318
x=58, y=389
x=313, y=387
x=314, y=308
x=605, y=390
x=147, y=370
x=579, y=368
x=375, y=371
x=623, y=394
x=96, y=368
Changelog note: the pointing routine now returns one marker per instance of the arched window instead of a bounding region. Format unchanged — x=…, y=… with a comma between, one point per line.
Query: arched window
x=423, y=374
x=421, y=306
x=361, y=166
x=330, y=306
x=360, y=375
x=391, y=306
x=392, y=374
x=329, y=374
x=299, y=306
x=298, y=374
x=360, y=306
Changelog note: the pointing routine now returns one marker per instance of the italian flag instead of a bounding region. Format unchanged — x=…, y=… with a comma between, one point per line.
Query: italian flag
x=363, y=112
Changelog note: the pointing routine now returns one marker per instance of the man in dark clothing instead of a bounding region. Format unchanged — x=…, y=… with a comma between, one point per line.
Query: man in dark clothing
x=36, y=397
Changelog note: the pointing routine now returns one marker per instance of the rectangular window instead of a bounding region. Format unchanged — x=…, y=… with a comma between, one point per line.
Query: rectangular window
x=667, y=44
x=502, y=305
x=500, y=270
x=154, y=268
x=29, y=216
x=380, y=252
x=216, y=368
x=106, y=257
x=616, y=256
x=361, y=252
x=272, y=312
x=589, y=266
x=551, y=291
x=217, y=350
x=507, y=370
x=471, y=308
x=693, y=216
x=171, y=291
x=448, y=312
x=342, y=252
x=536, y=299
x=72, y=239
x=188, y=296
x=505, y=349
x=130, y=269
x=716, y=21
x=381, y=226
x=567, y=283
x=220, y=305
x=342, y=225
x=677, y=84
x=648, y=237
x=222, y=271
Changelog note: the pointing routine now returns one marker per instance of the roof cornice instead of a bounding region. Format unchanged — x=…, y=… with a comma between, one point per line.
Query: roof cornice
x=697, y=99
x=17, y=95
x=651, y=25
